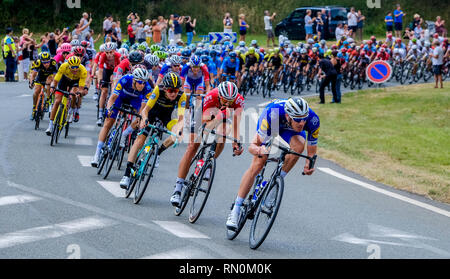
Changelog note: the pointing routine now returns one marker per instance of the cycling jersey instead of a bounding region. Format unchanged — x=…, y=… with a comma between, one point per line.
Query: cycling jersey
x=123, y=68
x=44, y=73
x=230, y=67
x=127, y=94
x=276, y=60
x=194, y=80
x=65, y=72
x=109, y=64
x=167, y=68
x=273, y=122
x=162, y=108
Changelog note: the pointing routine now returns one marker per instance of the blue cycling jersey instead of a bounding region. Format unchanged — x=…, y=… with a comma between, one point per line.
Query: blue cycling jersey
x=228, y=64
x=125, y=86
x=273, y=122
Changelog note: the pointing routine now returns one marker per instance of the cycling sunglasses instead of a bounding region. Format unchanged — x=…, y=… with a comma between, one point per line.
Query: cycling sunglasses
x=176, y=65
x=138, y=81
x=225, y=101
x=75, y=67
x=172, y=90
x=46, y=62
x=300, y=119
x=65, y=53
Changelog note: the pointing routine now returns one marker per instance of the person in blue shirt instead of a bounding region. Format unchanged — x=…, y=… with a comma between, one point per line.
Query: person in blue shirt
x=131, y=89
x=230, y=67
x=389, y=20
x=398, y=21
x=290, y=119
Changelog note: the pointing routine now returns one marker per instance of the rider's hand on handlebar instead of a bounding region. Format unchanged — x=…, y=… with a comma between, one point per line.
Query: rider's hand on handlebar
x=308, y=171
x=237, y=149
x=262, y=150
x=143, y=123
x=31, y=84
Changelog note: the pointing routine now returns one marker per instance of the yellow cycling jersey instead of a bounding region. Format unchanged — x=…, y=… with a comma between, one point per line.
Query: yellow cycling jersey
x=246, y=55
x=65, y=70
x=274, y=55
x=164, y=105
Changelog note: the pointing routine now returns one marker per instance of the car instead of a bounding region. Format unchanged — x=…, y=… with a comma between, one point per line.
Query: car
x=293, y=26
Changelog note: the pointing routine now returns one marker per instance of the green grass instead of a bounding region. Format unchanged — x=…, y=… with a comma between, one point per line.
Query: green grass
x=397, y=136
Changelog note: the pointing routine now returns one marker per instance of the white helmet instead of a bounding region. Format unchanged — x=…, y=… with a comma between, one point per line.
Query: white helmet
x=228, y=90
x=140, y=74
x=296, y=107
x=153, y=60
x=175, y=60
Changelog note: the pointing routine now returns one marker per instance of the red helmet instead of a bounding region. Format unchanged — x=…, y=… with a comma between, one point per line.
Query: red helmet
x=389, y=35
x=384, y=45
x=436, y=35
x=334, y=47
x=363, y=52
x=361, y=46
x=355, y=53
x=369, y=42
x=373, y=38
x=398, y=40
x=85, y=44
x=261, y=50
x=344, y=50
x=382, y=49
x=79, y=51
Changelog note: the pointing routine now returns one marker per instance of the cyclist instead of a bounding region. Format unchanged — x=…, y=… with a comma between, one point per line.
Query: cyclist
x=65, y=50
x=107, y=62
x=289, y=119
x=173, y=64
x=230, y=67
x=251, y=59
x=220, y=104
x=154, y=68
x=71, y=76
x=162, y=102
x=43, y=70
x=132, y=90
x=94, y=71
x=124, y=67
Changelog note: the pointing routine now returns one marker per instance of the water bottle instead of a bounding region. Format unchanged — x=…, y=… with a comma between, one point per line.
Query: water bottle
x=257, y=188
x=199, y=166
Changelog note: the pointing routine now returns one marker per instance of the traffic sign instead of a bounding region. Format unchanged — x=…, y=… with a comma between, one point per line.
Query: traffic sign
x=379, y=71
x=220, y=37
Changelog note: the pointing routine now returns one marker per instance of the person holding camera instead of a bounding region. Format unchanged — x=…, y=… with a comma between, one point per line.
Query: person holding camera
x=227, y=24
x=190, y=25
x=268, y=27
x=177, y=20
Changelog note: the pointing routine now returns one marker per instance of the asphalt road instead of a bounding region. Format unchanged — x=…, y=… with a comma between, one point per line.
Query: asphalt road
x=53, y=204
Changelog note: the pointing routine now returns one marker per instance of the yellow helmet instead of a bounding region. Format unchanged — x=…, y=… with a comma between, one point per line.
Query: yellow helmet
x=74, y=61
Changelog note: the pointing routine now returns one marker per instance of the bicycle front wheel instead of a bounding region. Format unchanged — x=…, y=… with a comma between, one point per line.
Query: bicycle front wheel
x=202, y=190
x=147, y=174
x=266, y=212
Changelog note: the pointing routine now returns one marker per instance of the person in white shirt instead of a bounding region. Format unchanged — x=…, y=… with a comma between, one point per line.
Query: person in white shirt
x=352, y=21
x=437, y=60
x=339, y=31
x=148, y=31
x=268, y=27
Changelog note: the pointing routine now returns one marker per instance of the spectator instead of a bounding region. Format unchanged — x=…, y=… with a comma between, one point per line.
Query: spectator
x=90, y=38
x=319, y=25
x=227, y=24
x=148, y=31
x=398, y=21
x=171, y=29
x=80, y=31
x=408, y=34
x=360, y=26
x=439, y=26
x=437, y=60
x=112, y=33
x=337, y=63
x=10, y=55
x=190, y=32
x=339, y=32
x=243, y=26
x=162, y=24
x=140, y=34
x=25, y=42
x=416, y=21
x=85, y=21
x=118, y=30
x=309, y=25
x=268, y=27
x=325, y=33
x=352, y=21
x=328, y=74
x=107, y=23
x=347, y=32
x=52, y=45
x=177, y=20
x=389, y=20
x=131, y=32
x=418, y=31
x=156, y=28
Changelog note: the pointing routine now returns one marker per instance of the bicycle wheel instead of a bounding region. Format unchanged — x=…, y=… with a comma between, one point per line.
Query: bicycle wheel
x=114, y=151
x=37, y=113
x=187, y=190
x=55, y=130
x=66, y=130
x=202, y=190
x=147, y=174
x=266, y=212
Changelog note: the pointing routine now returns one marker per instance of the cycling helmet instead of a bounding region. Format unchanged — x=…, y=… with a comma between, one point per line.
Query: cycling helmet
x=186, y=52
x=427, y=44
x=142, y=47
x=74, y=61
x=175, y=60
x=153, y=60
x=85, y=44
x=262, y=50
x=310, y=41
x=126, y=46
x=328, y=53
x=66, y=47
x=396, y=51
x=363, y=52
x=228, y=90
x=195, y=61
x=205, y=52
x=345, y=43
x=242, y=44
x=75, y=43
x=109, y=47
x=399, y=40
x=350, y=40
x=44, y=56
x=314, y=49
x=384, y=45
x=135, y=57
x=114, y=45
x=317, y=45
x=355, y=53
x=59, y=50
x=102, y=48
x=254, y=42
x=414, y=47
x=382, y=49
x=79, y=50
x=140, y=74
x=276, y=50
x=414, y=40
x=323, y=42
x=123, y=52
x=296, y=108
x=154, y=48
x=251, y=50
x=334, y=47
x=373, y=38
x=232, y=55
x=204, y=58
x=303, y=51
x=171, y=80
x=344, y=50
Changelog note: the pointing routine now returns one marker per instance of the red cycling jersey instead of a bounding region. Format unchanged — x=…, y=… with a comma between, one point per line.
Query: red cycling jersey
x=383, y=56
x=109, y=64
x=211, y=105
x=123, y=68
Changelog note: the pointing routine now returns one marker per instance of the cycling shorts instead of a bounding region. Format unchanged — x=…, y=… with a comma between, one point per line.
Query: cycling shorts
x=194, y=84
x=106, y=79
x=66, y=84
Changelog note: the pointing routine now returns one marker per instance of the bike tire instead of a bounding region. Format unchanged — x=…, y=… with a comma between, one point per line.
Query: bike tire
x=112, y=157
x=55, y=131
x=138, y=191
x=193, y=214
x=186, y=190
x=277, y=185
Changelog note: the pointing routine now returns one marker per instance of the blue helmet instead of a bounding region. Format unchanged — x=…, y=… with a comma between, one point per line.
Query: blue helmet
x=232, y=54
x=213, y=53
x=230, y=48
x=198, y=53
x=195, y=61
x=205, y=52
x=204, y=58
x=186, y=52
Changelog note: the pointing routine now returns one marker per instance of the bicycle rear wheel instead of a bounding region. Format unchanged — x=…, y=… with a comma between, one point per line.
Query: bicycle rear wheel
x=186, y=191
x=55, y=130
x=202, y=190
x=113, y=154
x=147, y=174
x=266, y=212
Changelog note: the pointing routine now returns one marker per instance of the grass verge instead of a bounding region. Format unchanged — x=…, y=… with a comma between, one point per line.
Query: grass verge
x=398, y=136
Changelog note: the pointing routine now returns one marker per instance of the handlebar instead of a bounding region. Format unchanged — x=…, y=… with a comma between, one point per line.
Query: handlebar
x=162, y=129
x=224, y=136
x=128, y=111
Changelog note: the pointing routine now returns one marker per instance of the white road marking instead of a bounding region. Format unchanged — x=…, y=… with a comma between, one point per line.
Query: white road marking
x=84, y=141
x=87, y=127
x=23, y=96
x=189, y=252
x=387, y=193
x=180, y=230
x=113, y=187
x=85, y=160
x=9, y=200
x=54, y=231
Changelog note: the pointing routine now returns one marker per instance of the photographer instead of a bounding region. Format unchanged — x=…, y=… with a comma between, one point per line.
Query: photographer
x=268, y=27
x=227, y=24
x=190, y=25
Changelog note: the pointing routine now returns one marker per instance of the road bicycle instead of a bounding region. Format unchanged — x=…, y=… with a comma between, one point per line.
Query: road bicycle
x=39, y=112
x=263, y=204
x=60, y=122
